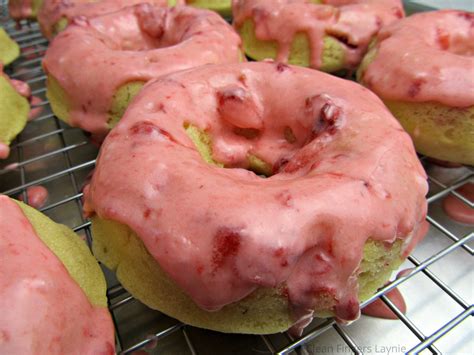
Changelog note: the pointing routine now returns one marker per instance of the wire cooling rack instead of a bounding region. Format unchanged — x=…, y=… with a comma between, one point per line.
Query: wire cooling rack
x=438, y=288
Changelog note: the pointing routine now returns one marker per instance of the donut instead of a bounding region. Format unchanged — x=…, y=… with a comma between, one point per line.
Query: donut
x=224, y=7
x=120, y=51
x=9, y=49
x=24, y=9
x=427, y=80
x=52, y=291
x=328, y=35
x=183, y=214
x=55, y=15
x=14, y=109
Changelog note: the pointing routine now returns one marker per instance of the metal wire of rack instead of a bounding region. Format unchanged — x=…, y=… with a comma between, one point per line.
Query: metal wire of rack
x=59, y=157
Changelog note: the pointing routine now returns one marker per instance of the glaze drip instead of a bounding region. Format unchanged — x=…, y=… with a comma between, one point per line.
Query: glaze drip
x=53, y=11
x=352, y=23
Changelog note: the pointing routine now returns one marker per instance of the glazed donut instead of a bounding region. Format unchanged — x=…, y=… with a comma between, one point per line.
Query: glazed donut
x=9, y=49
x=24, y=9
x=329, y=37
x=14, y=109
x=52, y=291
x=191, y=231
x=427, y=81
x=55, y=15
x=120, y=51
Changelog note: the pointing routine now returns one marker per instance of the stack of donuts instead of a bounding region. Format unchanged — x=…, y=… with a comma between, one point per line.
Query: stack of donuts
x=244, y=184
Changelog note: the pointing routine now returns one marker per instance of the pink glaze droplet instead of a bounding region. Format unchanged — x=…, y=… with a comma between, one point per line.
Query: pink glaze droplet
x=37, y=196
x=153, y=342
x=21, y=87
x=379, y=309
x=4, y=150
x=404, y=272
x=420, y=234
x=35, y=111
x=11, y=166
x=457, y=209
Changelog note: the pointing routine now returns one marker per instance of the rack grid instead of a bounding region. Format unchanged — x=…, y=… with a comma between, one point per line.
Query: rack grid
x=52, y=154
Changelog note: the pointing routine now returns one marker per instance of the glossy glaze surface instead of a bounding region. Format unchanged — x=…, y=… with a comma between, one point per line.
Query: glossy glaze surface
x=436, y=65
x=43, y=309
x=346, y=173
x=134, y=44
x=353, y=23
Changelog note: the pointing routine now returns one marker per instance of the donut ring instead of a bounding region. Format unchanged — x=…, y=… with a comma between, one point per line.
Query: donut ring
x=9, y=49
x=120, y=51
x=14, y=109
x=426, y=81
x=55, y=15
x=171, y=191
x=329, y=37
x=47, y=271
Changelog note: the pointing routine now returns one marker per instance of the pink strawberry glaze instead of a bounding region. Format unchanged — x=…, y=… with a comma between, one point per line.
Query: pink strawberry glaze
x=4, y=151
x=35, y=111
x=12, y=166
x=457, y=209
x=351, y=173
x=20, y=86
x=37, y=196
x=354, y=22
x=20, y=9
x=436, y=64
x=137, y=43
x=43, y=309
x=54, y=10
x=380, y=310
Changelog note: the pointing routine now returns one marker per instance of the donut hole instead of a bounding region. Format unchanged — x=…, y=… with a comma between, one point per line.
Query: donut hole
x=60, y=25
x=203, y=142
x=265, y=152
x=289, y=135
x=147, y=29
x=247, y=125
x=248, y=133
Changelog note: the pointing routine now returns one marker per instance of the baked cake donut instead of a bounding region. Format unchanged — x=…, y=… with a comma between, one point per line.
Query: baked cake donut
x=329, y=35
x=427, y=80
x=120, y=51
x=192, y=231
x=9, y=49
x=14, y=109
x=55, y=15
x=24, y=9
x=52, y=291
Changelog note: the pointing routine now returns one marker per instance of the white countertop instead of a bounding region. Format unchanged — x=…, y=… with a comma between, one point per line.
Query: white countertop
x=449, y=4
